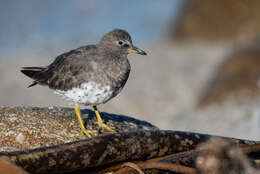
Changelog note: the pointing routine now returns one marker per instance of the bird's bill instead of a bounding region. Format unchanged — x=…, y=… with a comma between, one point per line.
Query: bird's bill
x=136, y=50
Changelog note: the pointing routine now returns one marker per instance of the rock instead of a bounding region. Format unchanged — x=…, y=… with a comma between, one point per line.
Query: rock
x=32, y=127
x=218, y=21
x=108, y=150
x=238, y=78
x=20, y=138
x=218, y=156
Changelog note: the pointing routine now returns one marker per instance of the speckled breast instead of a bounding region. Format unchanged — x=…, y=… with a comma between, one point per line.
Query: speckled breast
x=89, y=93
x=104, y=83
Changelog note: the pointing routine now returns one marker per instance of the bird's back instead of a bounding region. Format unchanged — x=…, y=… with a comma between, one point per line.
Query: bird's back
x=62, y=74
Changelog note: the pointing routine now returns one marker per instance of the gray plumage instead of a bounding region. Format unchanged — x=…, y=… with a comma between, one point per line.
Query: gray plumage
x=105, y=64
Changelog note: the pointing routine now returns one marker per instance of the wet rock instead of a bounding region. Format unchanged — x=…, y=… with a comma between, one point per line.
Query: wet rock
x=218, y=156
x=218, y=21
x=237, y=78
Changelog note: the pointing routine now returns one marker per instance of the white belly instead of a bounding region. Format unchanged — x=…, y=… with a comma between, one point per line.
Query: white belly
x=89, y=93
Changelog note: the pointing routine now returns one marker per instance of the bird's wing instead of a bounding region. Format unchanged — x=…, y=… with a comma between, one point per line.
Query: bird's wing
x=65, y=71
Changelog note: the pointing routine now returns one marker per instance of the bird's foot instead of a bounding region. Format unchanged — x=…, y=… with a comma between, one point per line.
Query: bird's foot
x=106, y=127
x=86, y=132
x=100, y=122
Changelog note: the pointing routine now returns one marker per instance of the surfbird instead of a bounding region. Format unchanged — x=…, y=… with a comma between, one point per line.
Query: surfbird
x=89, y=75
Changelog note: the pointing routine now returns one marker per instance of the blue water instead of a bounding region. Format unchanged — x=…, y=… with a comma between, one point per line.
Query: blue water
x=27, y=23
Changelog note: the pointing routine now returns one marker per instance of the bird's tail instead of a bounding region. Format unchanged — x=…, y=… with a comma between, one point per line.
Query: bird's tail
x=33, y=73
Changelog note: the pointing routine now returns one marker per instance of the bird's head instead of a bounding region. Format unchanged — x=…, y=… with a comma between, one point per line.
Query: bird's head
x=119, y=40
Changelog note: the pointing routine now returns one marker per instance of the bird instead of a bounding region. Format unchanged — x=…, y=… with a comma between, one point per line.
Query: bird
x=89, y=75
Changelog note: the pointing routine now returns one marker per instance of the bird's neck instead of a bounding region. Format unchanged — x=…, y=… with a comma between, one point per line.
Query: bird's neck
x=116, y=53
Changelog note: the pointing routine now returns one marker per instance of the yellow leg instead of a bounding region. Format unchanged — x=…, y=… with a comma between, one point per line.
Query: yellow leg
x=100, y=121
x=83, y=129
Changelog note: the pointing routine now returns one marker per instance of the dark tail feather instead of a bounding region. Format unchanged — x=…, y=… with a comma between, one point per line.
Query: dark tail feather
x=34, y=83
x=32, y=72
x=33, y=68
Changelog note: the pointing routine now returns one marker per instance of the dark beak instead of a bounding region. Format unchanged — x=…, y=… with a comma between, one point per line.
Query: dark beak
x=136, y=50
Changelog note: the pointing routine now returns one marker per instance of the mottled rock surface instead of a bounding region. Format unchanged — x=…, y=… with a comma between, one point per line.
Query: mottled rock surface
x=32, y=127
x=46, y=140
x=109, y=149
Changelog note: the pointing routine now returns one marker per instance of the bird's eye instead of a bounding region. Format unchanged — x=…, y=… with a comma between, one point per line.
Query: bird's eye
x=120, y=43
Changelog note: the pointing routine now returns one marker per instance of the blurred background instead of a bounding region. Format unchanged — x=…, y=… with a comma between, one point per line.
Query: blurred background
x=202, y=71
